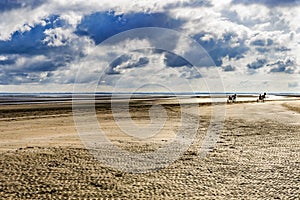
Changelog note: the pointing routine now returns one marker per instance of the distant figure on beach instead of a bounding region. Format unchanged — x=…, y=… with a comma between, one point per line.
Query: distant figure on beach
x=231, y=98
x=261, y=97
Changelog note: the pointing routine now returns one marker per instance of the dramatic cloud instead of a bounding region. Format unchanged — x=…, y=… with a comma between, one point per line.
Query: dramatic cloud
x=259, y=63
x=228, y=45
x=126, y=62
x=261, y=42
x=30, y=41
x=100, y=26
x=45, y=42
x=229, y=68
x=189, y=4
x=288, y=66
x=271, y=3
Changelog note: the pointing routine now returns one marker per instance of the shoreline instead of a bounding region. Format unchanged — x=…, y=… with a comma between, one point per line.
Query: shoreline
x=38, y=99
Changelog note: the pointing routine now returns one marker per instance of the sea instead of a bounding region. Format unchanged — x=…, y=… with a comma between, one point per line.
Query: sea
x=104, y=97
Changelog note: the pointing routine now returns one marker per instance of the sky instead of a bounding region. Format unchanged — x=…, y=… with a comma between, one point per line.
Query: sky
x=59, y=45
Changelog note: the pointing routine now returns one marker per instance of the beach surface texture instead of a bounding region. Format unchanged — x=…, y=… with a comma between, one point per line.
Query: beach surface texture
x=256, y=156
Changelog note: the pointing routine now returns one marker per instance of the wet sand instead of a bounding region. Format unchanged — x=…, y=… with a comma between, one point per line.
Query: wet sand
x=257, y=155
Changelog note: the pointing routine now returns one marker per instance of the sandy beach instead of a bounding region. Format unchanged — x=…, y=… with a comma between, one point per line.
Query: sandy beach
x=257, y=155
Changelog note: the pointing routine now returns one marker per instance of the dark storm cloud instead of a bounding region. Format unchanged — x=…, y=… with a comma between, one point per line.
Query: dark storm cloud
x=262, y=49
x=259, y=63
x=30, y=66
x=173, y=60
x=282, y=48
x=269, y=3
x=221, y=48
x=126, y=62
x=30, y=70
x=102, y=25
x=286, y=66
x=228, y=68
x=7, y=5
x=258, y=43
x=189, y=4
x=129, y=61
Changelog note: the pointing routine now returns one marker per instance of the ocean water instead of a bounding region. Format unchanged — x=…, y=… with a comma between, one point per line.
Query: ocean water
x=43, y=98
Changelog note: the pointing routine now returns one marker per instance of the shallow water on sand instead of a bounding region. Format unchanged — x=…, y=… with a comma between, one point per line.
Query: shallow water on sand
x=40, y=98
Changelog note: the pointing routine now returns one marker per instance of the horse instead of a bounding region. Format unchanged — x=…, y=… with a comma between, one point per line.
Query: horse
x=261, y=97
x=231, y=98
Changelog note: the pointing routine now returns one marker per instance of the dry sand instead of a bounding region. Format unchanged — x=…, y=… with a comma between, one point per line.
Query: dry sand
x=257, y=156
